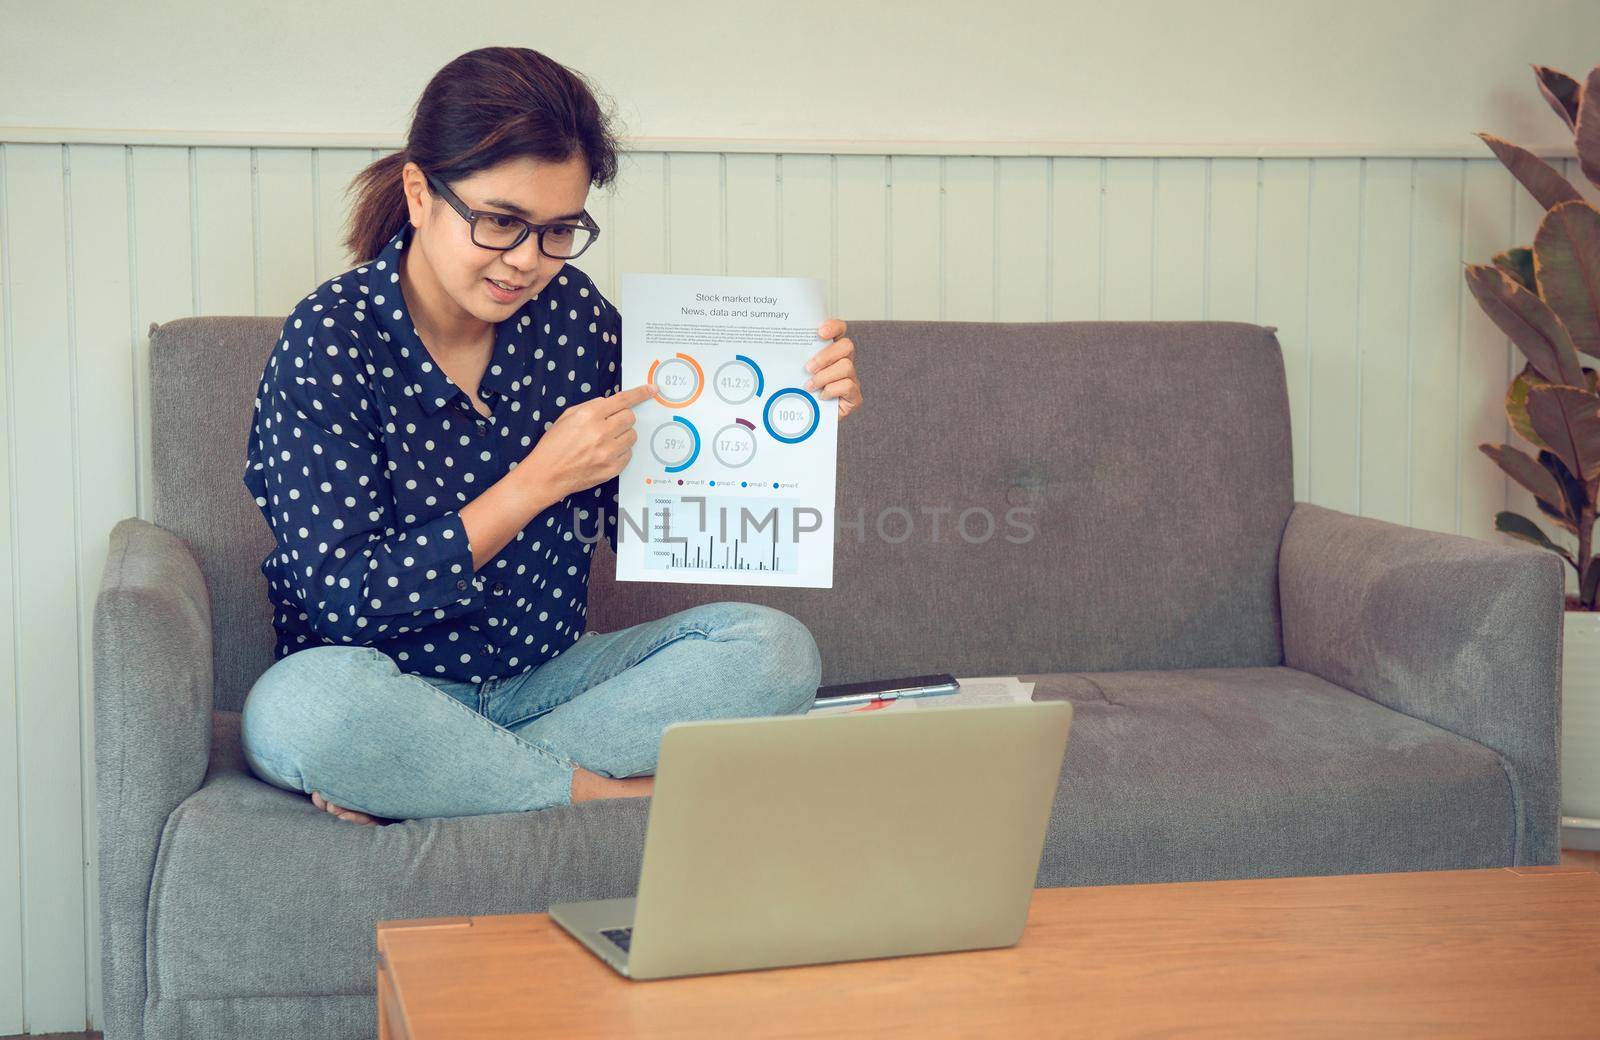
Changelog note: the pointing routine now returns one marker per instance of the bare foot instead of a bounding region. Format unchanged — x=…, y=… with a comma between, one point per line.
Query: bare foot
x=353, y=815
x=587, y=786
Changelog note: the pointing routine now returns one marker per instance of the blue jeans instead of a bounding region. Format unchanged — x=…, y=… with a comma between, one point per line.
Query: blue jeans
x=347, y=722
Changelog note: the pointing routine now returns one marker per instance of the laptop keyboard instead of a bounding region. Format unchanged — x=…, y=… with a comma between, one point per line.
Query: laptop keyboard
x=621, y=936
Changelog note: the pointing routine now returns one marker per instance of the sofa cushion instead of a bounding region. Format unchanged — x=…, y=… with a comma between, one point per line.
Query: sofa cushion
x=1261, y=772
x=1192, y=775
x=257, y=893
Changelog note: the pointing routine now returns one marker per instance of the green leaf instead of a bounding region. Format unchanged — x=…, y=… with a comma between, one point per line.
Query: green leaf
x=1566, y=261
x=1517, y=405
x=1538, y=176
x=1532, y=325
x=1518, y=526
x=1562, y=91
x=1588, y=129
x=1568, y=420
x=1521, y=467
x=1518, y=263
x=1560, y=518
x=1573, y=490
x=1517, y=401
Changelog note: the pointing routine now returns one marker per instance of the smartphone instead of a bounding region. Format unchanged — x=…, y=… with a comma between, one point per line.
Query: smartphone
x=933, y=685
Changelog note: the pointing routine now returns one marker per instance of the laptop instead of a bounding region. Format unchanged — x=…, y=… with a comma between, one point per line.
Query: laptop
x=794, y=839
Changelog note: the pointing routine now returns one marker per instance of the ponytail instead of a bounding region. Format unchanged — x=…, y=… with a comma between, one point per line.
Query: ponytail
x=380, y=208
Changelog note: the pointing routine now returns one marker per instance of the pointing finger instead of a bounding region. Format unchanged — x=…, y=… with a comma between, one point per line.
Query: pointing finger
x=624, y=400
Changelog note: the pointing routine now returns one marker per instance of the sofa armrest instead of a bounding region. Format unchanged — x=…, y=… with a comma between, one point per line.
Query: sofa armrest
x=1457, y=632
x=152, y=712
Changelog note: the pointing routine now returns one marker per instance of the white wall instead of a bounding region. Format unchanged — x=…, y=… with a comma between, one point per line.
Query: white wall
x=1138, y=199
x=1363, y=77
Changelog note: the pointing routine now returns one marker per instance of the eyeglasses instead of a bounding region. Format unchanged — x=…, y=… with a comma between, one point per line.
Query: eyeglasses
x=490, y=230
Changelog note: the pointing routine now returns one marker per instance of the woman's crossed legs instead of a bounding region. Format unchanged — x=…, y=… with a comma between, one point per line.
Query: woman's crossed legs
x=371, y=740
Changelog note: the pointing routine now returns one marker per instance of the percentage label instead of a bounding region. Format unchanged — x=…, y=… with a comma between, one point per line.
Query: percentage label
x=737, y=381
x=791, y=415
x=677, y=381
x=734, y=445
x=672, y=444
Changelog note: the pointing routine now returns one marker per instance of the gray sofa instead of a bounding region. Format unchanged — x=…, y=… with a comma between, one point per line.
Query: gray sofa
x=1263, y=687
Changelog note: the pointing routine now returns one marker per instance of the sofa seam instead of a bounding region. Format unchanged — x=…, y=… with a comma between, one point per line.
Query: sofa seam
x=368, y=995
x=151, y=994
x=1518, y=810
x=119, y=573
x=150, y=894
x=1507, y=768
x=158, y=865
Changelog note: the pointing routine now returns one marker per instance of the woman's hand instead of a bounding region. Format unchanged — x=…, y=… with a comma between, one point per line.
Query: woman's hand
x=833, y=369
x=590, y=442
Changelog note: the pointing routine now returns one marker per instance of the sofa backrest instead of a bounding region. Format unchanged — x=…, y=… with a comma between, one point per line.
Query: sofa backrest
x=1151, y=462
x=1012, y=498
x=203, y=378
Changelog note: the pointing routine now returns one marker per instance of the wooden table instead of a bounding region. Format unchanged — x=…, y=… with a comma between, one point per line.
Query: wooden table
x=1500, y=952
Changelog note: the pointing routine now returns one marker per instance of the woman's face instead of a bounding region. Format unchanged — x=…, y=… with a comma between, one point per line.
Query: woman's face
x=538, y=192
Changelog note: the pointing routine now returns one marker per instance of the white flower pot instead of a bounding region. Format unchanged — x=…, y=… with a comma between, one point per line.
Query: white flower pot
x=1580, y=731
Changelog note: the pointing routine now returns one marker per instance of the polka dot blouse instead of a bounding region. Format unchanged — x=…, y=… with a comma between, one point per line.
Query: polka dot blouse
x=363, y=452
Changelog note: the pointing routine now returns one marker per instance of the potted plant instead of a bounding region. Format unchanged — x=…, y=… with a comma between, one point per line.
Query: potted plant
x=1546, y=298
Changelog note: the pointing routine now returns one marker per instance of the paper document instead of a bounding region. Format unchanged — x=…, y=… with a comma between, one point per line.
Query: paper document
x=998, y=689
x=732, y=478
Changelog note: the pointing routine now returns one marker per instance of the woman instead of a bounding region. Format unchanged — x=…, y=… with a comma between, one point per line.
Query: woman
x=430, y=434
